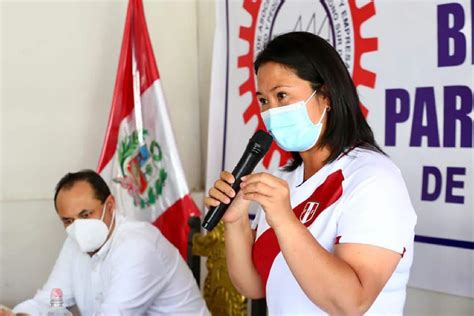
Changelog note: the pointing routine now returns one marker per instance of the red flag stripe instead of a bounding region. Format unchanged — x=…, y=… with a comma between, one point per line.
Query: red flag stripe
x=145, y=57
x=173, y=223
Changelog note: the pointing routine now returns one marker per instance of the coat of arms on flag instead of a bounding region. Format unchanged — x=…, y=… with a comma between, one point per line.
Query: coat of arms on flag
x=142, y=173
x=139, y=158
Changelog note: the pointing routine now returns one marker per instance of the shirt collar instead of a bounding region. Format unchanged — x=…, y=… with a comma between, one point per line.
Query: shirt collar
x=104, y=250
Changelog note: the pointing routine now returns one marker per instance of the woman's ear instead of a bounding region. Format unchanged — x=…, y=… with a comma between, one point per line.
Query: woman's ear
x=324, y=102
x=323, y=93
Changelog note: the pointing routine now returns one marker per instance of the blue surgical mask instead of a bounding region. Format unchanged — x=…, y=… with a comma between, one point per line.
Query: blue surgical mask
x=291, y=126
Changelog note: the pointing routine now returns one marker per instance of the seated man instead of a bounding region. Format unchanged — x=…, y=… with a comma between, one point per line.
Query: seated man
x=111, y=265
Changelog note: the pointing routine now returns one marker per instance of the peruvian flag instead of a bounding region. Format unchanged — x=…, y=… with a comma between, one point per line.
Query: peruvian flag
x=139, y=157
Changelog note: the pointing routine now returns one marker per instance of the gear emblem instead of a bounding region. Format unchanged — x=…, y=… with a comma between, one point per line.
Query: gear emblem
x=339, y=22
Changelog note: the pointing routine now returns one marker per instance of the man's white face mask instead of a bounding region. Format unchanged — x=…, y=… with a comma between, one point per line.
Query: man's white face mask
x=90, y=234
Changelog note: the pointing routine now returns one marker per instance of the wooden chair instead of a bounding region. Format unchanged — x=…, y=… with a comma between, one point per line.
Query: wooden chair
x=221, y=297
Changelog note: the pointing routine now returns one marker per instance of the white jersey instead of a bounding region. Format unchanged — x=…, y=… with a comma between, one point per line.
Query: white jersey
x=359, y=198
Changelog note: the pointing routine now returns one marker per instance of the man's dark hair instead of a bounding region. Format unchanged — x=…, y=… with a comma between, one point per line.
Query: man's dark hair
x=100, y=188
x=313, y=59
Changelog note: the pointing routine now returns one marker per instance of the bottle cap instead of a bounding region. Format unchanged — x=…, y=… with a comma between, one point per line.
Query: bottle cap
x=56, y=294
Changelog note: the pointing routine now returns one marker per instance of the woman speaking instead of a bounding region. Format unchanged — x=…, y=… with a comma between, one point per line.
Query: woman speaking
x=334, y=233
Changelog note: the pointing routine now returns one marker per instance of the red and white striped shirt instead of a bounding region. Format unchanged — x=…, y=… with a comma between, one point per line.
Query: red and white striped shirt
x=359, y=198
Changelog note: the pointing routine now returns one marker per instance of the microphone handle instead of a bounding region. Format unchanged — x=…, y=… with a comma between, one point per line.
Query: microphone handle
x=245, y=166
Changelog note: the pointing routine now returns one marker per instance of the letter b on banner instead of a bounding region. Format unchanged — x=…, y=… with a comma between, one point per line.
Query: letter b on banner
x=452, y=46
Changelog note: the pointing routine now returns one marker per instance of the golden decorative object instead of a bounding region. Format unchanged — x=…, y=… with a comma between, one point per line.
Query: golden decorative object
x=221, y=297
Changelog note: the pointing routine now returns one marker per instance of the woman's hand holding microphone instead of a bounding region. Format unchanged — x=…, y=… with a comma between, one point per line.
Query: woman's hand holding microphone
x=271, y=192
x=222, y=192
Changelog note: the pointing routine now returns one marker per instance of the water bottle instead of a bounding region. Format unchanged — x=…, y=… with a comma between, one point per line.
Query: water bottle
x=57, y=305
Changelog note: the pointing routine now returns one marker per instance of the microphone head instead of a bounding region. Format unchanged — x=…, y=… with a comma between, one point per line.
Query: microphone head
x=261, y=141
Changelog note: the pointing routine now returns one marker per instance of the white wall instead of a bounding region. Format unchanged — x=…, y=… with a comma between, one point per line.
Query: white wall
x=206, y=23
x=428, y=303
x=58, y=67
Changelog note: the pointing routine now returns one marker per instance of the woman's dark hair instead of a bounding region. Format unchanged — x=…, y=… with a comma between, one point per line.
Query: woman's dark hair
x=100, y=188
x=313, y=59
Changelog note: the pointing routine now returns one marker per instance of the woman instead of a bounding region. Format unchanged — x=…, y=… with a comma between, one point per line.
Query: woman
x=336, y=226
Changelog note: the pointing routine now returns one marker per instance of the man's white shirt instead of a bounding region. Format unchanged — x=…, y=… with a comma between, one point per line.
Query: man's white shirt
x=136, y=272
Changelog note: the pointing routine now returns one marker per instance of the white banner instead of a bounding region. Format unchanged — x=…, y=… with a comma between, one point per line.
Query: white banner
x=412, y=63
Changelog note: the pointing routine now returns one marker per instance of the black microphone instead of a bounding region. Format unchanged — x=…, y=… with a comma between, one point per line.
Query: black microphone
x=257, y=147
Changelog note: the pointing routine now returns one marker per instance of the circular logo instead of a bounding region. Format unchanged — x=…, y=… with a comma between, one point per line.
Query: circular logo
x=339, y=22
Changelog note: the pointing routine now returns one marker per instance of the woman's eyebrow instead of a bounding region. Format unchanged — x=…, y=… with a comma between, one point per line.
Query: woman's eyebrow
x=274, y=88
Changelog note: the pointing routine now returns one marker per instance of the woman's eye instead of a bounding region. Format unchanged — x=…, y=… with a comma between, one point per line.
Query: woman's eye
x=281, y=95
x=262, y=101
x=86, y=215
